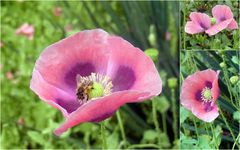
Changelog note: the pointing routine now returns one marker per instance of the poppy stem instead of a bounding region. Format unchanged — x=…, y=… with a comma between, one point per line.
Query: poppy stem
x=174, y=111
x=104, y=142
x=213, y=134
x=236, y=141
x=195, y=125
x=154, y=113
x=224, y=119
x=227, y=79
x=164, y=123
x=119, y=118
x=192, y=61
x=206, y=128
x=184, y=33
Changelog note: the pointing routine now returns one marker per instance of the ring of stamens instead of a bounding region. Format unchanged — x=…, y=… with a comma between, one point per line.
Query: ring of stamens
x=92, y=86
x=206, y=94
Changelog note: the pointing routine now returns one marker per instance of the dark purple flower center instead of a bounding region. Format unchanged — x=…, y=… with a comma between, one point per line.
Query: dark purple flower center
x=222, y=18
x=208, y=106
x=203, y=26
x=83, y=69
x=124, y=79
x=208, y=84
x=205, y=96
x=198, y=95
x=68, y=105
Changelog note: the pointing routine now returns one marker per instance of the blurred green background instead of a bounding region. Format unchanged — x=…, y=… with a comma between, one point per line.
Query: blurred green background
x=28, y=122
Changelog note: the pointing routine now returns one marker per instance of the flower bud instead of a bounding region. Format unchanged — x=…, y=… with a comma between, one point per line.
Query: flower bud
x=222, y=64
x=234, y=79
x=152, y=36
x=152, y=53
x=172, y=82
x=213, y=20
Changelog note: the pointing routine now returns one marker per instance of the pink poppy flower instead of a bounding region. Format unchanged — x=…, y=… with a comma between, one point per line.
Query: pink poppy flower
x=224, y=19
x=26, y=30
x=200, y=22
x=9, y=75
x=199, y=94
x=57, y=11
x=89, y=75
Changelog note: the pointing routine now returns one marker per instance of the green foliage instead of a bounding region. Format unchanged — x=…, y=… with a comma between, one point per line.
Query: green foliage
x=134, y=21
x=236, y=116
x=163, y=104
x=184, y=114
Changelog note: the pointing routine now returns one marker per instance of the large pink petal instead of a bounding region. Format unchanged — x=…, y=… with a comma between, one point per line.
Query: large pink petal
x=52, y=95
x=83, y=53
x=100, y=109
x=191, y=91
x=233, y=25
x=215, y=88
x=202, y=19
x=218, y=27
x=131, y=69
x=208, y=116
x=221, y=13
x=193, y=28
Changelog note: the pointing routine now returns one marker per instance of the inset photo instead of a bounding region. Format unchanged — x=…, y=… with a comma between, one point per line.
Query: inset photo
x=210, y=25
x=89, y=74
x=209, y=98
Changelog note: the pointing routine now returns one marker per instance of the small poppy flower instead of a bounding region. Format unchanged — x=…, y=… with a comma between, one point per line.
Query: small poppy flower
x=200, y=22
x=57, y=11
x=9, y=75
x=21, y=121
x=1, y=44
x=168, y=36
x=224, y=19
x=89, y=75
x=26, y=30
x=68, y=28
x=199, y=94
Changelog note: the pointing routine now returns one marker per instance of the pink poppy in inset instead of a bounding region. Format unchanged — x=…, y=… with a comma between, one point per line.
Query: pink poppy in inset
x=57, y=11
x=89, y=75
x=26, y=30
x=199, y=94
x=200, y=22
x=224, y=19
